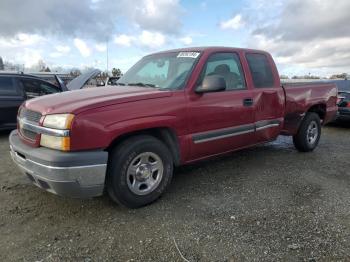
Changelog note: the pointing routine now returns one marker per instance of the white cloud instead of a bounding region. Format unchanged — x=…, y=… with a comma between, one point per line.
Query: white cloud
x=123, y=40
x=101, y=47
x=146, y=38
x=28, y=39
x=64, y=49
x=29, y=57
x=84, y=50
x=95, y=19
x=60, y=51
x=22, y=40
x=234, y=23
x=158, y=15
x=187, y=40
x=55, y=54
x=152, y=39
x=317, y=41
x=22, y=49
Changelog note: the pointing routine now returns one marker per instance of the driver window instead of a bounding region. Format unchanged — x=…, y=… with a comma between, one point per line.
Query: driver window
x=228, y=66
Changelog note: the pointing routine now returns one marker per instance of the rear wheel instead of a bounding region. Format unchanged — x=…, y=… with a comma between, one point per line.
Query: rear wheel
x=139, y=171
x=309, y=133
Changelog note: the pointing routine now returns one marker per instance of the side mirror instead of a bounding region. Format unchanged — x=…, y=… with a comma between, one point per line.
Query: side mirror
x=212, y=83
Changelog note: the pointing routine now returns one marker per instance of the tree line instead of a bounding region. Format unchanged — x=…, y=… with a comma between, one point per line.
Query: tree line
x=41, y=66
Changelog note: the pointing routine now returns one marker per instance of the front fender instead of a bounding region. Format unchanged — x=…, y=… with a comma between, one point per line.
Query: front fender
x=118, y=129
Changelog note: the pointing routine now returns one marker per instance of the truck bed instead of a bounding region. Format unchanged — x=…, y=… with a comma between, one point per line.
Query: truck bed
x=304, y=97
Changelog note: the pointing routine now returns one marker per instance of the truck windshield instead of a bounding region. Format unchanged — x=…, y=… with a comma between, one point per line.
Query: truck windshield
x=162, y=71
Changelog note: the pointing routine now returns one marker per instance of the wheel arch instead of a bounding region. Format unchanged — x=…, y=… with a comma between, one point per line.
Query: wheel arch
x=165, y=134
x=320, y=109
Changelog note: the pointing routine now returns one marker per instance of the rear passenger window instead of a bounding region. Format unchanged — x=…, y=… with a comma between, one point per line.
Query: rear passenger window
x=260, y=69
x=226, y=65
x=7, y=87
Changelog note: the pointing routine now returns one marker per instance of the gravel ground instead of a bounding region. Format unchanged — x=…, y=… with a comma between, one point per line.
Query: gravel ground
x=268, y=203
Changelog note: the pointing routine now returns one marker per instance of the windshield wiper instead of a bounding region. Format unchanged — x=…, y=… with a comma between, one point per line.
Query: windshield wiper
x=142, y=84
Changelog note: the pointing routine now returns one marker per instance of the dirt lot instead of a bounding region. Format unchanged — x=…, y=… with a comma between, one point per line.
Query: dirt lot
x=267, y=203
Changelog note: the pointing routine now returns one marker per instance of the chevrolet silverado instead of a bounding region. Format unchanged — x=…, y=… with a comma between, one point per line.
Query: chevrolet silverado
x=171, y=108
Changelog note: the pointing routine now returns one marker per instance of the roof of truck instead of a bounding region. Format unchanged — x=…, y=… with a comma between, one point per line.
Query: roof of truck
x=209, y=48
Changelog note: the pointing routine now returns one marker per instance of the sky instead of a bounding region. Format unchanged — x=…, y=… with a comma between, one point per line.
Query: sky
x=304, y=36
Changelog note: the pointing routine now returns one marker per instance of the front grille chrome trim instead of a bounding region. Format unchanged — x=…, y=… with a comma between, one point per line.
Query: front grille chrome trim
x=24, y=124
x=30, y=115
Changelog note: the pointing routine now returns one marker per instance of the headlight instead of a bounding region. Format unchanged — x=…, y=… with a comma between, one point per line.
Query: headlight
x=58, y=121
x=55, y=142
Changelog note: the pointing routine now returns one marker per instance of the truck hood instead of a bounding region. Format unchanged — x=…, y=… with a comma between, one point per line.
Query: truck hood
x=80, y=100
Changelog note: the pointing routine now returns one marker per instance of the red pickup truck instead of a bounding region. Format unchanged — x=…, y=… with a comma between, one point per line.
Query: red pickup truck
x=171, y=108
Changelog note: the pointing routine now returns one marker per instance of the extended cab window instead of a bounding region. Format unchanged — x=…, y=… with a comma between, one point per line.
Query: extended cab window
x=226, y=65
x=7, y=87
x=35, y=87
x=260, y=69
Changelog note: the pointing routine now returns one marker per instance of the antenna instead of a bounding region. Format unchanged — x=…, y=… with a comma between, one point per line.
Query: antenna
x=107, y=54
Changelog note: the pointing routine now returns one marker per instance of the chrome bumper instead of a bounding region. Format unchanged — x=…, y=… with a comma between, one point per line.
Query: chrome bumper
x=72, y=174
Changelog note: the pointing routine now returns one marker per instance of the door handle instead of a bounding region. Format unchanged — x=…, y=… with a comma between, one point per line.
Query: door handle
x=248, y=101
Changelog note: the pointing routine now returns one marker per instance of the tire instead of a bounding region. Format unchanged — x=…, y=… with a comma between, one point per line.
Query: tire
x=139, y=171
x=309, y=133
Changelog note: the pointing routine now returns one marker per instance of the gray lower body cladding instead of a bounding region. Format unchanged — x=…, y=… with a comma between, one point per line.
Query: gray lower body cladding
x=72, y=174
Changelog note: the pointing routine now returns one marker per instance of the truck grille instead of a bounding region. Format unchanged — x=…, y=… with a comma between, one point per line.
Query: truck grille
x=30, y=116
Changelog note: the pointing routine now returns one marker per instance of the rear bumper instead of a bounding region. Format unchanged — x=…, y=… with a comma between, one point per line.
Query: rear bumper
x=72, y=174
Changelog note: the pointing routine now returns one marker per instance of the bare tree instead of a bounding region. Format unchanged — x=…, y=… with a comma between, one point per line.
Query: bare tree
x=339, y=76
x=75, y=72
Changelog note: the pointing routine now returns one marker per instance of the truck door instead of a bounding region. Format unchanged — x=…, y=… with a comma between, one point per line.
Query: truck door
x=221, y=121
x=268, y=96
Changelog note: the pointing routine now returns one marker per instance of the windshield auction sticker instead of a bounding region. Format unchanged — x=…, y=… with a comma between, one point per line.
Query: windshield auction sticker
x=188, y=54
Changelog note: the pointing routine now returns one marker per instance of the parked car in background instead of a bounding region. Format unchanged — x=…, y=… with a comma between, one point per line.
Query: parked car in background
x=15, y=88
x=52, y=76
x=84, y=79
x=112, y=81
x=344, y=106
x=171, y=108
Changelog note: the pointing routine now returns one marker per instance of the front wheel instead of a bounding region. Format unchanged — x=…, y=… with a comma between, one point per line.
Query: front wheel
x=309, y=133
x=139, y=171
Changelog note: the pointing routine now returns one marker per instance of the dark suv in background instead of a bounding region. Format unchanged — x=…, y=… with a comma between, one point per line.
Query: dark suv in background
x=16, y=88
